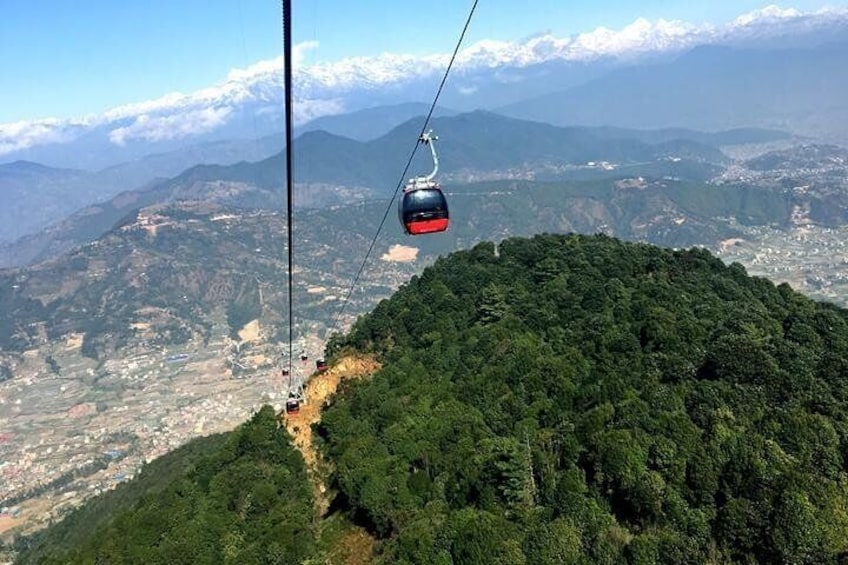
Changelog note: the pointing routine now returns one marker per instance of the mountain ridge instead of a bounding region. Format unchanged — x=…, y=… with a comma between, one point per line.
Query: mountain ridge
x=473, y=146
x=175, y=266
x=794, y=89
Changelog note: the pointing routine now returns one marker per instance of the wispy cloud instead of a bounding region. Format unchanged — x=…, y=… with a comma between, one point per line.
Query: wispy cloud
x=770, y=13
x=173, y=126
x=321, y=89
x=16, y=136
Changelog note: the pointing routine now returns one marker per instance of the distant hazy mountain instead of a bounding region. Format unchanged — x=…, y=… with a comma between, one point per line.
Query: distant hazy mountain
x=371, y=123
x=738, y=136
x=331, y=170
x=225, y=152
x=38, y=202
x=804, y=157
x=802, y=90
x=33, y=196
x=470, y=145
x=84, y=225
x=154, y=159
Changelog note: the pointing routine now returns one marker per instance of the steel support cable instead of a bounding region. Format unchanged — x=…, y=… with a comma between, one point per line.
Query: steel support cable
x=405, y=169
x=287, y=82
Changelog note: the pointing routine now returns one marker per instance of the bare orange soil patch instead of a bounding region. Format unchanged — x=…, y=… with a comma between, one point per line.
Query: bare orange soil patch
x=357, y=546
x=80, y=410
x=400, y=254
x=726, y=244
x=318, y=391
x=73, y=341
x=7, y=523
x=250, y=332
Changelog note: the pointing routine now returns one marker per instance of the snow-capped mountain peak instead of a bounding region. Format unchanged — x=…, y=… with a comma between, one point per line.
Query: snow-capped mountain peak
x=770, y=13
x=355, y=82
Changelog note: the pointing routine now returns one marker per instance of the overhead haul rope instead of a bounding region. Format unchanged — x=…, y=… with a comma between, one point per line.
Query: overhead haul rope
x=405, y=169
x=287, y=81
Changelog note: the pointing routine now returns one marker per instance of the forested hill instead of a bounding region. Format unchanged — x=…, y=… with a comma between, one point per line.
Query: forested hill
x=560, y=399
x=579, y=399
x=241, y=497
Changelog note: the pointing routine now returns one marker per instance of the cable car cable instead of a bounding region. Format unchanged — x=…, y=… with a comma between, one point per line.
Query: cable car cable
x=287, y=82
x=405, y=169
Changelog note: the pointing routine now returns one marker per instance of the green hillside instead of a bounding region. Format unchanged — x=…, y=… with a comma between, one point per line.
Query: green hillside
x=178, y=277
x=560, y=399
x=579, y=399
x=241, y=497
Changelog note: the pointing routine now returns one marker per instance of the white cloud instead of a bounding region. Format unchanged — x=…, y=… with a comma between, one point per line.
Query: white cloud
x=306, y=110
x=16, y=136
x=174, y=126
x=273, y=66
x=769, y=13
x=320, y=89
x=639, y=37
x=139, y=108
x=262, y=68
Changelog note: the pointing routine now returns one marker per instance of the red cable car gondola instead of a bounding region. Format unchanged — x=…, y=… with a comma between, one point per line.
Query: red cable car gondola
x=424, y=210
x=321, y=365
x=423, y=207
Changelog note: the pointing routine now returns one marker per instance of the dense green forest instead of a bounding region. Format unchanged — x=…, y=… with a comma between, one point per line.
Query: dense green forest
x=579, y=399
x=241, y=497
x=560, y=399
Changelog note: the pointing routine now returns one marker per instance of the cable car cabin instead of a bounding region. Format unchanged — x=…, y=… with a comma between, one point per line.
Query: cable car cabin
x=423, y=210
x=292, y=406
x=321, y=365
x=304, y=356
x=285, y=372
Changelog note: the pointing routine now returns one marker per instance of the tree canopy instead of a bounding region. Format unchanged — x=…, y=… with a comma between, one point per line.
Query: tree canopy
x=560, y=399
x=577, y=399
x=238, y=498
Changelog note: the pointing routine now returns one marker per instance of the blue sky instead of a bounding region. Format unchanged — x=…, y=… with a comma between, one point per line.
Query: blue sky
x=63, y=58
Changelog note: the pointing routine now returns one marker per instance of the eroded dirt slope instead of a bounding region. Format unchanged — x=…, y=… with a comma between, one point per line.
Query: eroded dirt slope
x=356, y=546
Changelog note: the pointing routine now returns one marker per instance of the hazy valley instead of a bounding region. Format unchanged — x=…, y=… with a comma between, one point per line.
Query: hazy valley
x=170, y=325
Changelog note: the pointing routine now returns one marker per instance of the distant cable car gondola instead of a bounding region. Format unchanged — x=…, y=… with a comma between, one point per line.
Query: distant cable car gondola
x=292, y=406
x=321, y=365
x=423, y=207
